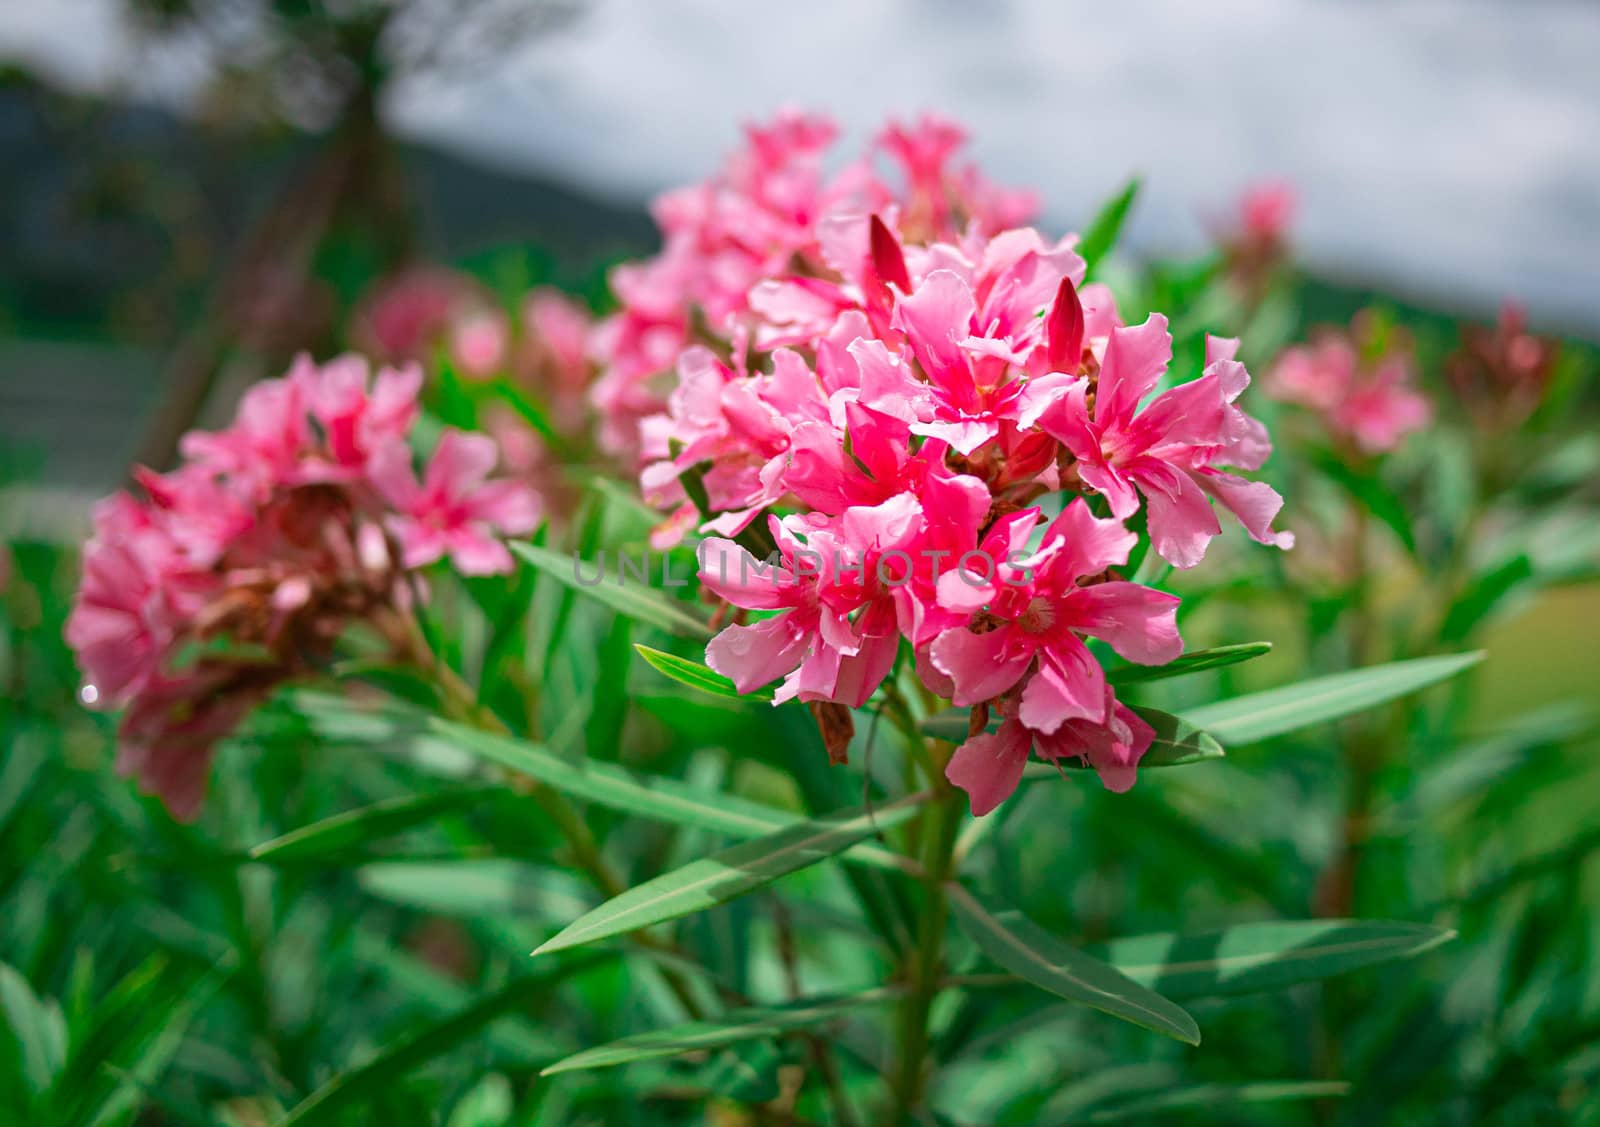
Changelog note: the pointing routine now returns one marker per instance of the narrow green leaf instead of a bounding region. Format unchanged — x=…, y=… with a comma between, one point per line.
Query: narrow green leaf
x=1028, y=951
x=353, y=829
x=1252, y=957
x=696, y=675
x=490, y=1103
x=1192, y=662
x=1260, y=716
x=657, y=797
x=1101, y=234
x=746, y=1024
x=37, y=1028
x=415, y=1049
x=663, y=799
x=1178, y=740
x=453, y=748
x=629, y=597
x=1480, y=599
x=498, y=888
x=136, y=1028
x=1210, y=1096
x=731, y=873
x=145, y=1059
x=1368, y=491
x=746, y=1073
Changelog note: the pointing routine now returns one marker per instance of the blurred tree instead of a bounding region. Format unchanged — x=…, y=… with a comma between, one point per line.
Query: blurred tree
x=320, y=65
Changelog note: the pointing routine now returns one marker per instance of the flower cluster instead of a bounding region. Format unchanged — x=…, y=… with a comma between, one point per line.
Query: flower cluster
x=1360, y=382
x=241, y=568
x=405, y=318
x=762, y=217
x=1501, y=375
x=880, y=428
x=1254, y=240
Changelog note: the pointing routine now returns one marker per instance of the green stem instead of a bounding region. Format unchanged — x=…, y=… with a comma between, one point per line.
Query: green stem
x=461, y=703
x=924, y=962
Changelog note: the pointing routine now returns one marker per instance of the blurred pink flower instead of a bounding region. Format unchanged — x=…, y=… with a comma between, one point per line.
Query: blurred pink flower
x=404, y=316
x=1267, y=210
x=455, y=510
x=1502, y=374
x=479, y=343
x=1362, y=388
x=555, y=357
x=269, y=538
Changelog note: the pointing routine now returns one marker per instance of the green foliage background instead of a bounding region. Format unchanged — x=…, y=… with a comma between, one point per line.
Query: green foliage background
x=286, y=960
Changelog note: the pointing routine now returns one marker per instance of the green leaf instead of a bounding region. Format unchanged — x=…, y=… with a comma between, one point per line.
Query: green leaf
x=1191, y=662
x=360, y=827
x=137, y=1027
x=145, y=1059
x=38, y=1031
x=1480, y=599
x=731, y=873
x=1028, y=951
x=1101, y=234
x=618, y=788
x=631, y=598
x=746, y=1024
x=491, y=1103
x=696, y=675
x=415, y=1049
x=452, y=748
x=1260, y=716
x=747, y=1073
x=663, y=799
x=1251, y=957
x=1210, y=1096
x=497, y=888
x=1367, y=489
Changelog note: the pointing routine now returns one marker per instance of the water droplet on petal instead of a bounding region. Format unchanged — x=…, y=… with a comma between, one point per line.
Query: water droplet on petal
x=89, y=694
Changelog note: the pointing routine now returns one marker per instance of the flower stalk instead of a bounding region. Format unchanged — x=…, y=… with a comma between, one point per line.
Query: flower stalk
x=924, y=961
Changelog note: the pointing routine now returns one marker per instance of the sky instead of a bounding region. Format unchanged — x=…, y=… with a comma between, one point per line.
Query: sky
x=1448, y=149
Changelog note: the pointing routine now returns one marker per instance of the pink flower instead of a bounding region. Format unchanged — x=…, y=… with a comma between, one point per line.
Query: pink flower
x=940, y=196
x=355, y=422
x=479, y=342
x=1266, y=210
x=989, y=766
x=269, y=540
x=1360, y=386
x=169, y=735
x=1030, y=617
x=1502, y=374
x=849, y=587
x=761, y=241
x=555, y=355
x=124, y=616
x=811, y=643
x=1170, y=449
x=739, y=424
x=976, y=354
x=406, y=315
x=456, y=510
x=269, y=439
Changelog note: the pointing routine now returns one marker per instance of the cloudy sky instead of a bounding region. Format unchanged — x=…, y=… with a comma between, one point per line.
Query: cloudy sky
x=1451, y=148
